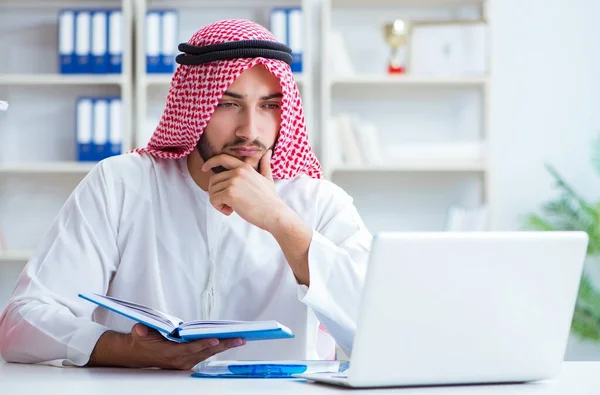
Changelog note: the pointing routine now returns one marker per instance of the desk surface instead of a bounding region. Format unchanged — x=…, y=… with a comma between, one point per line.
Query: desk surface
x=577, y=378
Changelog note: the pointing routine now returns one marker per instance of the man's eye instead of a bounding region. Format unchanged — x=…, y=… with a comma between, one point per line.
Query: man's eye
x=271, y=106
x=226, y=105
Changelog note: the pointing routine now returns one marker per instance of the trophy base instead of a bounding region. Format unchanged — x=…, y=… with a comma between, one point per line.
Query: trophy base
x=396, y=69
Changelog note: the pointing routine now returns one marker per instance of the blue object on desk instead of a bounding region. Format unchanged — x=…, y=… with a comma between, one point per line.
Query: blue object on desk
x=266, y=371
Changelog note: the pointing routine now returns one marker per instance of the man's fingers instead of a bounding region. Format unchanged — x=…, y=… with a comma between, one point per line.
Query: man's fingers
x=220, y=177
x=265, y=165
x=227, y=161
x=222, y=201
x=200, y=345
x=224, y=345
x=142, y=333
x=216, y=187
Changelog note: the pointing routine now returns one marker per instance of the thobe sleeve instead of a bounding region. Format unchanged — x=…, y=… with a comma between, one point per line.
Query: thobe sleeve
x=45, y=321
x=337, y=260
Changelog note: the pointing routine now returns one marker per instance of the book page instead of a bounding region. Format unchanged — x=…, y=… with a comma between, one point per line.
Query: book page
x=169, y=319
x=140, y=313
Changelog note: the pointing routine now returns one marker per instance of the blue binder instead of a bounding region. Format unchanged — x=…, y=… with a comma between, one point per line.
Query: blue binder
x=115, y=129
x=153, y=35
x=66, y=41
x=115, y=41
x=84, y=129
x=168, y=40
x=82, y=41
x=294, y=26
x=100, y=144
x=99, y=47
x=286, y=24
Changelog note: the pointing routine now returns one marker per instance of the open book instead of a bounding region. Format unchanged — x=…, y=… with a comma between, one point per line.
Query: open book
x=177, y=330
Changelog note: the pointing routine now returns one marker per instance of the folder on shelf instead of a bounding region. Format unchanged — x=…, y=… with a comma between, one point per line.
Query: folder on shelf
x=115, y=129
x=82, y=41
x=168, y=40
x=153, y=42
x=66, y=41
x=99, y=47
x=294, y=18
x=286, y=26
x=100, y=133
x=115, y=41
x=84, y=129
x=278, y=24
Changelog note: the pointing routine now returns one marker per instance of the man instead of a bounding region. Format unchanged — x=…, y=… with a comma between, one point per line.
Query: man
x=222, y=216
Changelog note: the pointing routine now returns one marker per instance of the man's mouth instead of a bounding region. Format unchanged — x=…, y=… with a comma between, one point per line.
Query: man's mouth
x=244, y=151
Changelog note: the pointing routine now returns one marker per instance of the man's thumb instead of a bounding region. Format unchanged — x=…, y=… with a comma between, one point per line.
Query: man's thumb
x=140, y=330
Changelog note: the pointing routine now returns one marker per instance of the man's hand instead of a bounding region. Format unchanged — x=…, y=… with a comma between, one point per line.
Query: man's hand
x=253, y=197
x=242, y=189
x=146, y=348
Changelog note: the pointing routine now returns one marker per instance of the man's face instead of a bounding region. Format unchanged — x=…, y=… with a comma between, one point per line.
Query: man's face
x=246, y=122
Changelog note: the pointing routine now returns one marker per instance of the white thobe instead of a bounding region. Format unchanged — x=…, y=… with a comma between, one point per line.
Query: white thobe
x=139, y=228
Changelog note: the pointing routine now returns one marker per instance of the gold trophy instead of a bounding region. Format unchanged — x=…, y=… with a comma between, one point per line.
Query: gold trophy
x=396, y=35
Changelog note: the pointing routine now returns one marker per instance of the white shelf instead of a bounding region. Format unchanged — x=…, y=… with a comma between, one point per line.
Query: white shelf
x=383, y=80
x=47, y=167
x=165, y=79
x=61, y=79
x=417, y=166
x=402, y=3
x=15, y=256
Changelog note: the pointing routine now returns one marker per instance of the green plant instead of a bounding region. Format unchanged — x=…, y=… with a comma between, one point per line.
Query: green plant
x=569, y=211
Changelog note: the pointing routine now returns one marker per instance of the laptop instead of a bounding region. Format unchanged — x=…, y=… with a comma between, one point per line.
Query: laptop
x=441, y=308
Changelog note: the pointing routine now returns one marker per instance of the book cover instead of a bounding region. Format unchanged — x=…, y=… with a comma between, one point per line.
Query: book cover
x=177, y=330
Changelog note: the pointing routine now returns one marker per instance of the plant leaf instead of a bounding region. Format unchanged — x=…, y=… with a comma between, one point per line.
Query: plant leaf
x=596, y=155
x=534, y=221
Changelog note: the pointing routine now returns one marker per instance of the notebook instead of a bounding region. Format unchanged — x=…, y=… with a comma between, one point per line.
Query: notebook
x=265, y=369
x=177, y=330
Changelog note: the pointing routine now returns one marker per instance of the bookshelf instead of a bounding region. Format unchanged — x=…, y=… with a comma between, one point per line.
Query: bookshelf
x=438, y=115
x=38, y=167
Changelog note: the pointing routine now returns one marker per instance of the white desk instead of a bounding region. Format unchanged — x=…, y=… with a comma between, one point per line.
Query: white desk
x=577, y=378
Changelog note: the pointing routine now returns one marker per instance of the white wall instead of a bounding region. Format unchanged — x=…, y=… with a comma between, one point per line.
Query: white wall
x=545, y=101
x=545, y=109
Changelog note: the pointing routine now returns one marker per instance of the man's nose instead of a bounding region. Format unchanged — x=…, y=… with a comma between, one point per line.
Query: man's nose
x=249, y=127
